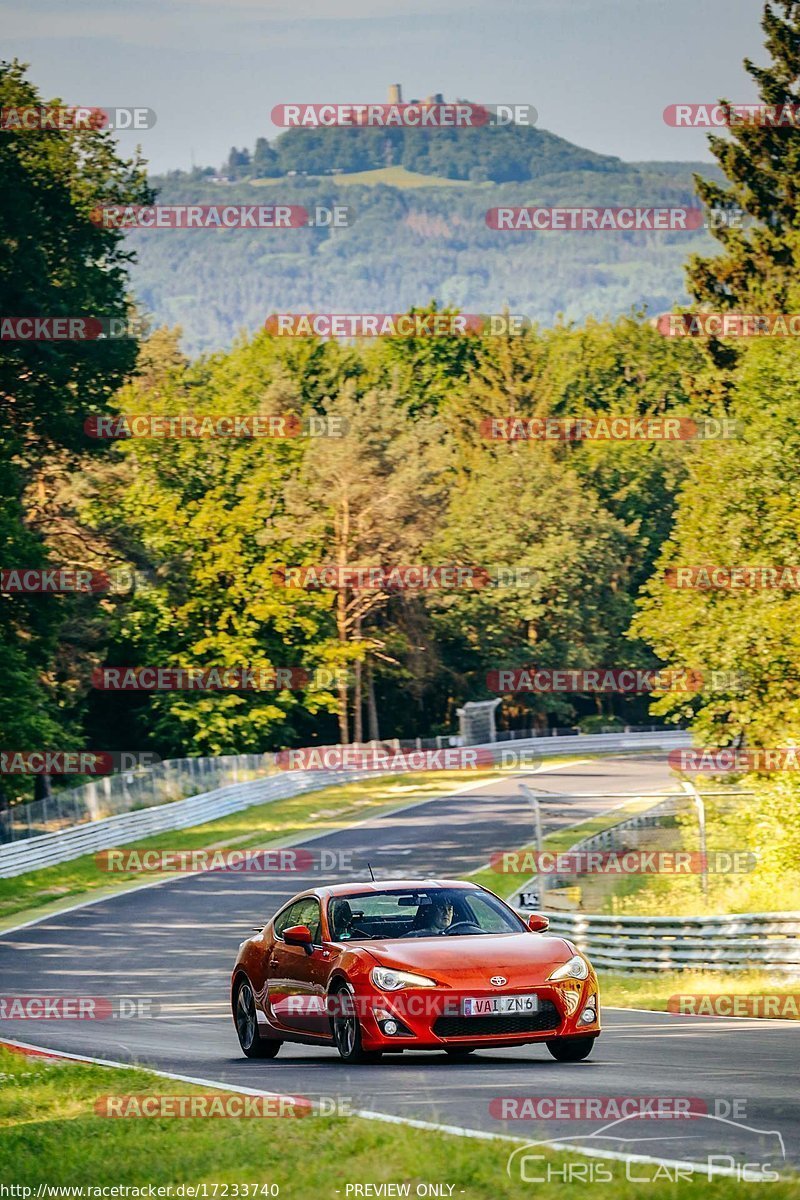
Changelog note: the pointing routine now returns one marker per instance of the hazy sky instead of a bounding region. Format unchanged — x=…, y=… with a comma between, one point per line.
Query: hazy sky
x=600, y=72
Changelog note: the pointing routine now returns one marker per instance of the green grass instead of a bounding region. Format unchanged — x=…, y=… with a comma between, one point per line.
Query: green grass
x=276, y=823
x=654, y=991
x=397, y=177
x=52, y=1135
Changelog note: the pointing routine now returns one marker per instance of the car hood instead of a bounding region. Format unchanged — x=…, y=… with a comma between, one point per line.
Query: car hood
x=455, y=959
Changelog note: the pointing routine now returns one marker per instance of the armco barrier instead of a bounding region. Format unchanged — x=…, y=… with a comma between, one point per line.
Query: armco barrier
x=47, y=849
x=741, y=942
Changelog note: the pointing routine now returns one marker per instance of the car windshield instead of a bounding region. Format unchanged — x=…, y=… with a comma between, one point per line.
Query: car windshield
x=423, y=912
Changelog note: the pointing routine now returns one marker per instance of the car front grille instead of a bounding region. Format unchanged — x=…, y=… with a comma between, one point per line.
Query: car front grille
x=548, y=1017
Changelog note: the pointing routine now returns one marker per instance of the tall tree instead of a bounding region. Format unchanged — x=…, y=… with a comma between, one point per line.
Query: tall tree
x=737, y=508
x=371, y=498
x=56, y=262
x=759, y=262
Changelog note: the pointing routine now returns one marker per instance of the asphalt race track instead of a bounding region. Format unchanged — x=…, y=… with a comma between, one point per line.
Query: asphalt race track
x=175, y=944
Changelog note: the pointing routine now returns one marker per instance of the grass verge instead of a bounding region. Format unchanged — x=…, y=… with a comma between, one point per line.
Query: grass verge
x=52, y=1135
x=654, y=991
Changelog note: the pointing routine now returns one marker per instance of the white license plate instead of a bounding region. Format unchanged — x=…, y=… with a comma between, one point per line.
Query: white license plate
x=480, y=1006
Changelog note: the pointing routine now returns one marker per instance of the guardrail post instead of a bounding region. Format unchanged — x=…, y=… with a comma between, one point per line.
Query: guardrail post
x=699, y=804
x=533, y=800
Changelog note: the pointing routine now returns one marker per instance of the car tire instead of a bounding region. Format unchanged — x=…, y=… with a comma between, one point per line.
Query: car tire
x=346, y=1028
x=246, y=1022
x=573, y=1049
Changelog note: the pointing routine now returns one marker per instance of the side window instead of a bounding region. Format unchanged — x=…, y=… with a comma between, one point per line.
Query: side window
x=302, y=912
x=287, y=918
x=309, y=914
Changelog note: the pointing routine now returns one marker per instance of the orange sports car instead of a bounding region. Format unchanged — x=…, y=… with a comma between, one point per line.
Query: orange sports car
x=374, y=968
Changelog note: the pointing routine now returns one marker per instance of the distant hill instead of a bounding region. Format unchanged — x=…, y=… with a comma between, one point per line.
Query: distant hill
x=513, y=154
x=412, y=241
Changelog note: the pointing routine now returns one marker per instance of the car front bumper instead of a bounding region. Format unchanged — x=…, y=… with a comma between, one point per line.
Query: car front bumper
x=433, y=1018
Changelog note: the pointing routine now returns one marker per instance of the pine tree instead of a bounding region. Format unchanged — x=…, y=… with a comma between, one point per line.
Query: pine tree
x=758, y=267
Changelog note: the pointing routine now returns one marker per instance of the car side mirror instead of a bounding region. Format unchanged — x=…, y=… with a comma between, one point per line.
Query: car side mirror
x=537, y=923
x=298, y=935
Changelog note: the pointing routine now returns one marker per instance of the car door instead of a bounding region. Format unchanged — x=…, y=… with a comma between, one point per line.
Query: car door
x=296, y=979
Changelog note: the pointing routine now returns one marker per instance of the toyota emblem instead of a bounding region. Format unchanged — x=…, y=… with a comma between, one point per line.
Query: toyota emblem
x=498, y=980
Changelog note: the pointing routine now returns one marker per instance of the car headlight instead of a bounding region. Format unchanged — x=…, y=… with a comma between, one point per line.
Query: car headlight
x=392, y=981
x=576, y=968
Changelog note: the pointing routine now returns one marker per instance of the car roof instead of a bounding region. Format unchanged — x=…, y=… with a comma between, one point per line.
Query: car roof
x=383, y=885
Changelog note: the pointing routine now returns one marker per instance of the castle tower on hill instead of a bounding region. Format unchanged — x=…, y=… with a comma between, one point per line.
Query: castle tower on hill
x=396, y=96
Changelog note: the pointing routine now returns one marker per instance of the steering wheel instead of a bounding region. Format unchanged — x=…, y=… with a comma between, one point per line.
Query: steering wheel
x=462, y=925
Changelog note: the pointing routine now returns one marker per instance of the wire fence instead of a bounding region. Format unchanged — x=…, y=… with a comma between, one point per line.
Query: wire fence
x=110, y=795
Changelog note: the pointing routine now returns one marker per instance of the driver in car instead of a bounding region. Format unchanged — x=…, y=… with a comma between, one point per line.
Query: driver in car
x=436, y=916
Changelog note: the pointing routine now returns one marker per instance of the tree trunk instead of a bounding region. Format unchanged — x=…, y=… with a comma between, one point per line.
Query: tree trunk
x=358, y=703
x=358, y=728
x=341, y=627
x=372, y=707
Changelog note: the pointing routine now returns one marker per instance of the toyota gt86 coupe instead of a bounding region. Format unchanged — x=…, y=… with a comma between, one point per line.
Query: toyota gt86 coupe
x=373, y=968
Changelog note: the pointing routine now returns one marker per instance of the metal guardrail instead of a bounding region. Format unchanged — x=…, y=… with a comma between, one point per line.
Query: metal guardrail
x=63, y=845
x=741, y=942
